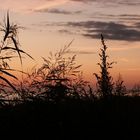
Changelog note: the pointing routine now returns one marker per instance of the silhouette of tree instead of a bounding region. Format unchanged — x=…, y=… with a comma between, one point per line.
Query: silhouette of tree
x=120, y=88
x=104, y=80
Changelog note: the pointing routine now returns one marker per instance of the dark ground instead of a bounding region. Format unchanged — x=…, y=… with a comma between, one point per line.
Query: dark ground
x=113, y=118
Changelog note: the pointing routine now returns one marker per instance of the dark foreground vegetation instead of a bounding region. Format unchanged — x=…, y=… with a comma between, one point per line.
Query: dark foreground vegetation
x=114, y=118
x=54, y=101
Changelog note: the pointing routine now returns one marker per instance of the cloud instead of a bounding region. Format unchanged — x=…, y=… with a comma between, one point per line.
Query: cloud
x=29, y=5
x=137, y=24
x=50, y=3
x=18, y=5
x=111, y=30
x=93, y=29
x=117, y=2
x=64, y=31
x=130, y=2
x=128, y=17
x=85, y=1
x=122, y=17
x=81, y=52
x=58, y=11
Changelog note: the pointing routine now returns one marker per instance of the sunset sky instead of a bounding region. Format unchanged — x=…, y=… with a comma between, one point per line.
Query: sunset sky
x=51, y=24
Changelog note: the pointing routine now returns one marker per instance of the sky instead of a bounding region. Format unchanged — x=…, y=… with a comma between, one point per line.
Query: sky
x=51, y=24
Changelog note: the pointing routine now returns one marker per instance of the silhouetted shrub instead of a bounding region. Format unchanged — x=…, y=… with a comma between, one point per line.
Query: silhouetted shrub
x=120, y=88
x=58, y=78
x=104, y=80
x=135, y=90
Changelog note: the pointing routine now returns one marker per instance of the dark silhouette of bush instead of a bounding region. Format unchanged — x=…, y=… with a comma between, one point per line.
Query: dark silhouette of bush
x=104, y=81
x=57, y=79
x=120, y=89
x=135, y=91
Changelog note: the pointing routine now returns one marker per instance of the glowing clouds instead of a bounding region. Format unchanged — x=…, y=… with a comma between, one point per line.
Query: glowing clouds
x=29, y=5
x=50, y=4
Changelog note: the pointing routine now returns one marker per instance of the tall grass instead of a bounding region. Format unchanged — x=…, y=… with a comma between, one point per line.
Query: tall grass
x=9, y=49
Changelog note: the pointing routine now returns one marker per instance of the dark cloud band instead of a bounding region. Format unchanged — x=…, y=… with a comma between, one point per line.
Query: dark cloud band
x=111, y=30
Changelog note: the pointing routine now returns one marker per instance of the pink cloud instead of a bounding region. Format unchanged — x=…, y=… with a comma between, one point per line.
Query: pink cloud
x=26, y=5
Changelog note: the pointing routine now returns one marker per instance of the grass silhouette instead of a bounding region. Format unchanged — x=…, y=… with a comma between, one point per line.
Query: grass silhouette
x=8, y=49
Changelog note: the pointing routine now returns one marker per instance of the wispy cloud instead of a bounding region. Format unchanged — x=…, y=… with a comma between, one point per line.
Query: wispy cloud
x=121, y=17
x=137, y=24
x=58, y=11
x=85, y=1
x=44, y=4
x=130, y=2
x=64, y=31
x=111, y=30
x=50, y=3
x=118, y=2
x=29, y=5
x=93, y=29
x=81, y=52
